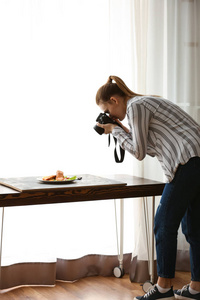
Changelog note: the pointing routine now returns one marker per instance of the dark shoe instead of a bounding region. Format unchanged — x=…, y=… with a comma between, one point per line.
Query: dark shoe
x=185, y=294
x=154, y=294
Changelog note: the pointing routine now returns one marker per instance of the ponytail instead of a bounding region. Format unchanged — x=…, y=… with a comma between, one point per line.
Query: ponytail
x=120, y=83
x=109, y=89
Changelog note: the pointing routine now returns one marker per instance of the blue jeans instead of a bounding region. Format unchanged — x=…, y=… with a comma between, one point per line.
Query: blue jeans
x=180, y=203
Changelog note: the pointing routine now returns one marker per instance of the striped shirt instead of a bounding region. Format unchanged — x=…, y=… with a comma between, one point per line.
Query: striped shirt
x=159, y=128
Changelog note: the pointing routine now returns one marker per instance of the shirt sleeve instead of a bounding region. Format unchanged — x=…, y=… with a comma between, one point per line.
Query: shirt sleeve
x=135, y=142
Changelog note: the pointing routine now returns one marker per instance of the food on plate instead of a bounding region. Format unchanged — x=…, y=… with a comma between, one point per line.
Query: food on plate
x=51, y=177
x=58, y=177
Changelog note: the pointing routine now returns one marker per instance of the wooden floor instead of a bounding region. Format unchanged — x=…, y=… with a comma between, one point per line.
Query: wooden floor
x=91, y=288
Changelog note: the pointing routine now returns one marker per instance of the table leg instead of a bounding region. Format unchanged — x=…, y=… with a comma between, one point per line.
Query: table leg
x=149, y=283
x=121, y=233
x=152, y=239
x=119, y=271
x=1, y=243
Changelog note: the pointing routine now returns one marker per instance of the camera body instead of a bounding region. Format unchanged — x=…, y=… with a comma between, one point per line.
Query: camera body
x=103, y=118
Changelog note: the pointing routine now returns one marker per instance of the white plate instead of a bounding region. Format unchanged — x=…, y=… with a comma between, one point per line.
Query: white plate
x=71, y=179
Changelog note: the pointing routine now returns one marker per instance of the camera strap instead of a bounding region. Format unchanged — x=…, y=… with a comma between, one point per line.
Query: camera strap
x=122, y=151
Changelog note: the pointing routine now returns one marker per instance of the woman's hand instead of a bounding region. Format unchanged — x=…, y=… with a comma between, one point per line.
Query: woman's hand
x=108, y=128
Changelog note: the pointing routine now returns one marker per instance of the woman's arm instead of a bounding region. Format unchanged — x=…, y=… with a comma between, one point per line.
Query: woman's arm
x=135, y=141
x=108, y=128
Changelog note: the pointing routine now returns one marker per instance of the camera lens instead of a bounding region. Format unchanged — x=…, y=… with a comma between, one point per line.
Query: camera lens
x=98, y=129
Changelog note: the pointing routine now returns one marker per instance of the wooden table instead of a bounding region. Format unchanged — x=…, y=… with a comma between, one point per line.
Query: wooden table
x=90, y=188
x=28, y=191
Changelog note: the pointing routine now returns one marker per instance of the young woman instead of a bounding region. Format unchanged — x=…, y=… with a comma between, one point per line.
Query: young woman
x=160, y=128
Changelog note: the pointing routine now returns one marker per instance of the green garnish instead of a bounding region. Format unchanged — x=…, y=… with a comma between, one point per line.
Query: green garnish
x=71, y=178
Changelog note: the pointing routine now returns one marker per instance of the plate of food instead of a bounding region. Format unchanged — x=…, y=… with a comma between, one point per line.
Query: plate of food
x=58, y=178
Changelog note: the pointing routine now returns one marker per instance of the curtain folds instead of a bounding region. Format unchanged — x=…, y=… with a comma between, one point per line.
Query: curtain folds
x=47, y=274
x=172, y=70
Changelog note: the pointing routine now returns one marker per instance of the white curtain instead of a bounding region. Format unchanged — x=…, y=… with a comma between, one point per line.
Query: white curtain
x=168, y=56
x=54, y=55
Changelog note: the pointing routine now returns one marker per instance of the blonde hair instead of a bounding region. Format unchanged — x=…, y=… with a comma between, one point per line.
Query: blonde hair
x=109, y=89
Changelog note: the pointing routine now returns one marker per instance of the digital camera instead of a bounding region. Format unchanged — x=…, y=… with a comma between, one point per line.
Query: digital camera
x=103, y=118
